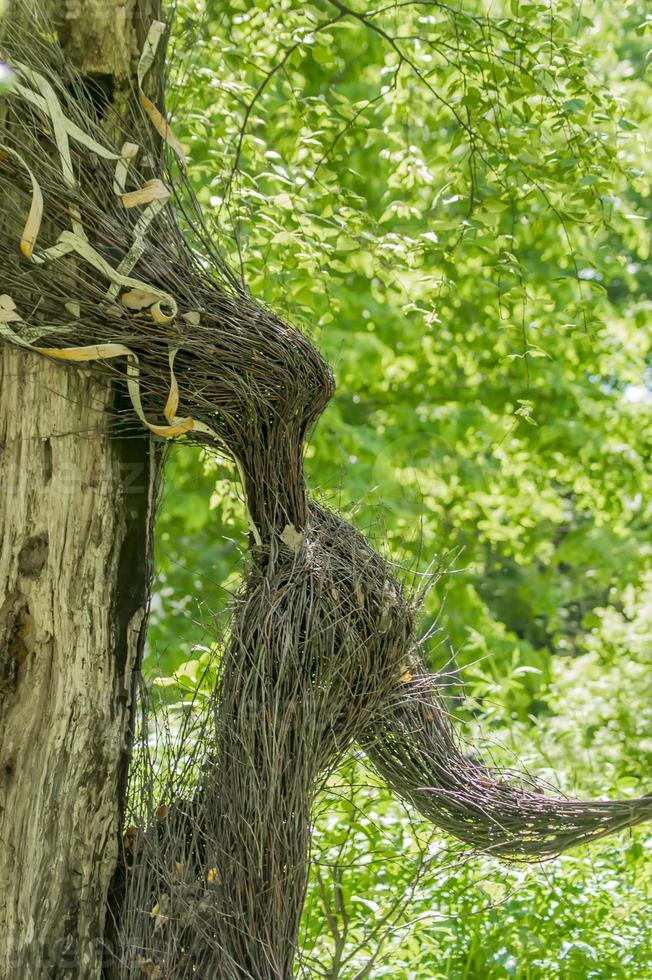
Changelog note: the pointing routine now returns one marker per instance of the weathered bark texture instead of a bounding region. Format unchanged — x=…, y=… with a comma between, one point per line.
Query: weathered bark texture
x=71, y=618
x=75, y=531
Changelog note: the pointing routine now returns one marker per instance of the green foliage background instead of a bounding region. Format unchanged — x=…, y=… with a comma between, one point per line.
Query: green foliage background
x=456, y=203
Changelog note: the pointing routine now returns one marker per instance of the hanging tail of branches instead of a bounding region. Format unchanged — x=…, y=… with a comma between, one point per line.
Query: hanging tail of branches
x=414, y=748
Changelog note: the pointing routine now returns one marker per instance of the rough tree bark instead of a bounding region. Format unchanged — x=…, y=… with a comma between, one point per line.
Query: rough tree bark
x=75, y=530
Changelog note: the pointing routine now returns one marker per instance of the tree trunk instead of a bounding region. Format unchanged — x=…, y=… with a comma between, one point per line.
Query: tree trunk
x=76, y=504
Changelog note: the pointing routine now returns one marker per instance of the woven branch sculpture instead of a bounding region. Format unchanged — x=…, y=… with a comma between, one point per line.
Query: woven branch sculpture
x=322, y=650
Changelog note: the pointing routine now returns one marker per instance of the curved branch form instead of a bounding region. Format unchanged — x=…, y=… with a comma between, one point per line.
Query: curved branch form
x=413, y=747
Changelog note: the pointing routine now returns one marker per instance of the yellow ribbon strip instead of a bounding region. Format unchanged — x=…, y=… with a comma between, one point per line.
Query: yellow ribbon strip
x=152, y=190
x=128, y=153
x=72, y=129
x=102, y=352
x=71, y=242
x=35, y=216
x=57, y=118
x=155, y=33
x=8, y=312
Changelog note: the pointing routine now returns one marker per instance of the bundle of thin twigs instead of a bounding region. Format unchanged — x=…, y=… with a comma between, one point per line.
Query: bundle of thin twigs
x=322, y=649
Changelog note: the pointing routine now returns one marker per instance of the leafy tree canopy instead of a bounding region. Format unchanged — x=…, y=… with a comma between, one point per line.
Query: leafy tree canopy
x=456, y=203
